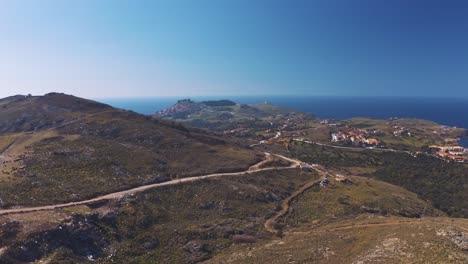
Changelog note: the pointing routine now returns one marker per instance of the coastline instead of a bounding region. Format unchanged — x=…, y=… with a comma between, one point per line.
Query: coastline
x=443, y=111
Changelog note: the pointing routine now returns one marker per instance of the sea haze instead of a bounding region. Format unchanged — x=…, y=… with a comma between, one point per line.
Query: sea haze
x=445, y=111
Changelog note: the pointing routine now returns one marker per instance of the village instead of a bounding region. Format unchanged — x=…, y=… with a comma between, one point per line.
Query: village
x=451, y=153
x=359, y=137
x=363, y=137
x=292, y=128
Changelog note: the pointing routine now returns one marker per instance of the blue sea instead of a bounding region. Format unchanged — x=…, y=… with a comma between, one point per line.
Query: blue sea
x=463, y=142
x=445, y=111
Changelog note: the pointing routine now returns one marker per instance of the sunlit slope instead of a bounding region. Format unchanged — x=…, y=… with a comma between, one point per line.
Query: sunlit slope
x=89, y=148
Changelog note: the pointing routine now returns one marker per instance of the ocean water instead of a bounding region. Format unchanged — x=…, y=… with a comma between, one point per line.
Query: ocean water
x=463, y=142
x=445, y=111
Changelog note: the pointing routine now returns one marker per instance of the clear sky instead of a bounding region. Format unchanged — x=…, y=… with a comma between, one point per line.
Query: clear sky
x=113, y=48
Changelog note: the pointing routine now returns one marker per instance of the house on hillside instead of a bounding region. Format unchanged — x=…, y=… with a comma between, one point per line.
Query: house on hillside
x=324, y=182
x=371, y=141
x=341, y=178
x=334, y=137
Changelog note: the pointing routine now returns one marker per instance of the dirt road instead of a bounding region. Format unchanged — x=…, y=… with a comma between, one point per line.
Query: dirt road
x=118, y=195
x=381, y=222
x=270, y=223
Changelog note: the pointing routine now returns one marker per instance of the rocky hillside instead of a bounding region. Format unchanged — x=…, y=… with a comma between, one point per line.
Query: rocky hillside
x=188, y=109
x=33, y=113
x=59, y=148
x=279, y=210
x=225, y=116
x=222, y=221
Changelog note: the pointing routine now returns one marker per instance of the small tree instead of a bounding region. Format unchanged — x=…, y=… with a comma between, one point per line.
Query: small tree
x=280, y=233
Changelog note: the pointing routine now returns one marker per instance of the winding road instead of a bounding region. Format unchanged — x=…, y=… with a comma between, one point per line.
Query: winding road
x=270, y=223
x=117, y=195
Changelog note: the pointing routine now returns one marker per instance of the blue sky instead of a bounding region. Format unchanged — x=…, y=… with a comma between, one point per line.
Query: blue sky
x=112, y=48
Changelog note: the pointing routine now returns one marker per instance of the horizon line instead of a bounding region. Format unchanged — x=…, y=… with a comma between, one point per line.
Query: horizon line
x=276, y=95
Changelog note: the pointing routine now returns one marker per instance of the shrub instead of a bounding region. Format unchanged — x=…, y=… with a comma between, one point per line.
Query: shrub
x=244, y=239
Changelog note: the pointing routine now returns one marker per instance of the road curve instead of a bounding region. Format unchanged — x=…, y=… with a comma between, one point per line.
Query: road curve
x=118, y=195
x=270, y=223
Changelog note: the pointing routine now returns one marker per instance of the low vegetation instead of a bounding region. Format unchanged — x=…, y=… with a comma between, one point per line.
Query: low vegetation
x=186, y=223
x=367, y=239
x=106, y=152
x=360, y=196
x=442, y=183
x=391, y=206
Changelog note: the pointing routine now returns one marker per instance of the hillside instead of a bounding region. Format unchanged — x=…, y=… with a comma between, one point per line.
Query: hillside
x=362, y=240
x=187, y=109
x=95, y=184
x=443, y=183
x=363, y=221
x=255, y=121
x=222, y=220
x=66, y=148
x=397, y=150
x=33, y=113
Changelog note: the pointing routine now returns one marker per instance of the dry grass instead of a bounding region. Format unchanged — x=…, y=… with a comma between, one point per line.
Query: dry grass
x=364, y=240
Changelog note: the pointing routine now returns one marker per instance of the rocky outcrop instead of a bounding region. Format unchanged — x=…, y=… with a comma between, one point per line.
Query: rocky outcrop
x=78, y=234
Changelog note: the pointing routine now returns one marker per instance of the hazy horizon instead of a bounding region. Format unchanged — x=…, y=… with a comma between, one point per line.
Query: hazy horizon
x=229, y=96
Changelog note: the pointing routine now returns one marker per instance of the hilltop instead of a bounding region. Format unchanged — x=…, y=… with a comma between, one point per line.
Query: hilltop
x=22, y=113
x=188, y=109
x=80, y=148
x=249, y=121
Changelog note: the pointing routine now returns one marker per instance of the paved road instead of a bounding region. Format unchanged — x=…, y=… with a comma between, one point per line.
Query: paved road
x=353, y=148
x=118, y=195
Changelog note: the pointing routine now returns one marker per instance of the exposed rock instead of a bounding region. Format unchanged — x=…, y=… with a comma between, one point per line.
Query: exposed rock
x=198, y=251
x=152, y=244
x=460, y=238
x=207, y=205
x=78, y=234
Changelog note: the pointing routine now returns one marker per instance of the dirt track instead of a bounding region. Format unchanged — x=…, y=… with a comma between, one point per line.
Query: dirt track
x=269, y=224
x=118, y=195
x=382, y=222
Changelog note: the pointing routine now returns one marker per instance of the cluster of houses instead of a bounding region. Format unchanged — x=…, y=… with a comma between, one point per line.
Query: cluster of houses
x=356, y=137
x=343, y=179
x=454, y=153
